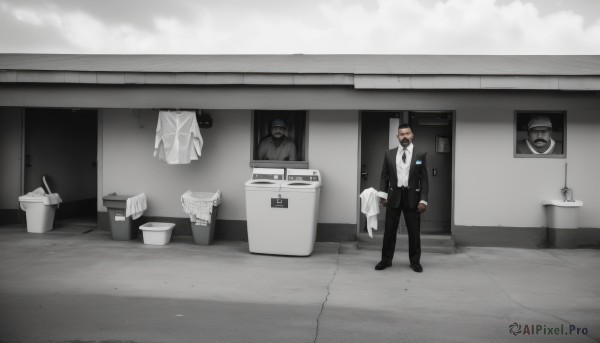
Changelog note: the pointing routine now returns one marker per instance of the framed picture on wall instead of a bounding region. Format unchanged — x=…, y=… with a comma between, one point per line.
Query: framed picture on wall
x=442, y=144
x=279, y=139
x=540, y=134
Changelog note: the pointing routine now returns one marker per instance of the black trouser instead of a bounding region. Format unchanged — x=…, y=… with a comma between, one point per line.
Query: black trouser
x=413, y=224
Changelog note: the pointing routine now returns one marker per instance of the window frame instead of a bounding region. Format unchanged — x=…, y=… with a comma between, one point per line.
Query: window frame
x=521, y=117
x=259, y=117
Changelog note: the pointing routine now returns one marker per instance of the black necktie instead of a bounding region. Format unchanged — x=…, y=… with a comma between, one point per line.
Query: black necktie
x=404, y=155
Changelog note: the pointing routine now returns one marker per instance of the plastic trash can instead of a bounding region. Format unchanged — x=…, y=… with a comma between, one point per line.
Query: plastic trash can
x=39, y=208
x=121, y=227
x=204, y=233
x=202, y=208
x=39, y=214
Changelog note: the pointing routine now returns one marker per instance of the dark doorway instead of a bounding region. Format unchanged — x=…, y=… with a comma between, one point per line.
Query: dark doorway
x=433, y=131
x=375, y=136
x=62, y=145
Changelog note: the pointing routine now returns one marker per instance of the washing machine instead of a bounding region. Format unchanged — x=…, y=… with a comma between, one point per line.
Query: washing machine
x=261, y=217
x=284, y=222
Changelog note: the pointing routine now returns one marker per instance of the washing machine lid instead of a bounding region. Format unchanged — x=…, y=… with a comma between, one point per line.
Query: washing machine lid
x=275, y=174
x=260, y=183
x=300, y=186
x=303, y=178
x=266, y=178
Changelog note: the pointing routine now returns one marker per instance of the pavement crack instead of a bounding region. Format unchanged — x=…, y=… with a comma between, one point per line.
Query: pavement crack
x=337, y=267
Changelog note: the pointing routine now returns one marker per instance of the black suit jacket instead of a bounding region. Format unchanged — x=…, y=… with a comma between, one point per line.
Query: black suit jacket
x=418, y=183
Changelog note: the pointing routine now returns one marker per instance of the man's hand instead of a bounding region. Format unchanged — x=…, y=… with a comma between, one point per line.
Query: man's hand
x=421, y=208
x=383, y=202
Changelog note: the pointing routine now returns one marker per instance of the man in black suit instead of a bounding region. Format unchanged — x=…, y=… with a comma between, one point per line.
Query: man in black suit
x=404, y=179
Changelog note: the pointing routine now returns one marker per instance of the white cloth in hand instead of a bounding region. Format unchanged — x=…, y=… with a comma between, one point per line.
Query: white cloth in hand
x=369, y=205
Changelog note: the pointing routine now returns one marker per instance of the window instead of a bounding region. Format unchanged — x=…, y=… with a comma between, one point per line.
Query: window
x=540, y=134
x=278, y=152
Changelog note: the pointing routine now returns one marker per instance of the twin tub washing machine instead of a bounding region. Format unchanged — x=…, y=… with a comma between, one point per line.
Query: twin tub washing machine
x=282, y=210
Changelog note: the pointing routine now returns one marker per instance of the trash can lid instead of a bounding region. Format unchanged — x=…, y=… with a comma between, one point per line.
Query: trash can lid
x=25, y=198
x=116, y=197
x=48, y=199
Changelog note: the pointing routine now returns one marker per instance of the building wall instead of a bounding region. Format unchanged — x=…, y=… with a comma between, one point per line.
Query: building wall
x=130, y=168
x=492, y=188
x=333, y=149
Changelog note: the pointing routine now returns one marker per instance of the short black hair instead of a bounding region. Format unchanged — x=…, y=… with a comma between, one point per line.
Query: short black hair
x=404, y=126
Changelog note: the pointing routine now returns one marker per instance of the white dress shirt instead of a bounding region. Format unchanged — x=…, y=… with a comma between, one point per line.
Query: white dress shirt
x=402, y=168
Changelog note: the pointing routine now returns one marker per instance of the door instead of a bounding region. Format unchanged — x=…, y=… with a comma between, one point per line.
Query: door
x=378, y=133
x=61, y=144
x=433, y=130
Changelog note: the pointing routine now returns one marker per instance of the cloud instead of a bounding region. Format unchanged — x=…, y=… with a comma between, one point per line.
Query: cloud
x=311, y=26
x=461, y=27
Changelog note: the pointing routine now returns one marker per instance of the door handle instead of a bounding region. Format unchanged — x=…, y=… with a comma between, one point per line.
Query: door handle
x=435, y=171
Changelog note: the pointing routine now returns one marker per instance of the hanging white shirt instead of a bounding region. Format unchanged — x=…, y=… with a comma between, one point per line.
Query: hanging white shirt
x=178, y=139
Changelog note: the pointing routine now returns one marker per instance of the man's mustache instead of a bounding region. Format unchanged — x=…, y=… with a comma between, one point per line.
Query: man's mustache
x=540, y=140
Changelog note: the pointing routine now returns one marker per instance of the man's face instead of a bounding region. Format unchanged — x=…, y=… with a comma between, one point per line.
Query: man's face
x=405, y=136
x=539, y=137
x=278, y=131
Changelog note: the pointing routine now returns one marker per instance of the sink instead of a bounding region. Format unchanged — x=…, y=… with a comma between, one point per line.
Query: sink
x=561, y=203
x=563, y=222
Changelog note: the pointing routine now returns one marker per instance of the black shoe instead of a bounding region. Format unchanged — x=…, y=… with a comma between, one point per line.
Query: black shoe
x=383, y=264
x=416, y=267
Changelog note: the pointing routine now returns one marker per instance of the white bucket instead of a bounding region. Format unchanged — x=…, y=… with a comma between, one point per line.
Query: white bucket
x=40, y=217
x=156, y=233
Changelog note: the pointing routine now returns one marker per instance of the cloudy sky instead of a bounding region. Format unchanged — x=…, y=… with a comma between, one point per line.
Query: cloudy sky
x=300, y=26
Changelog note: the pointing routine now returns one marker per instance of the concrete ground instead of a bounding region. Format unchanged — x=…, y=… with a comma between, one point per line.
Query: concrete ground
x=70, y=286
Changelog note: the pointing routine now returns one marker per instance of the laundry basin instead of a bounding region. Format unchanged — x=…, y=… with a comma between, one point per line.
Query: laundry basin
x=156, y=233
x=563, y=222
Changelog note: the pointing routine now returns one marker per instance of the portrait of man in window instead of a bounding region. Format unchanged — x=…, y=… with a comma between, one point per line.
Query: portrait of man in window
x=279, y=139
x=540, y=134
x=277, y=146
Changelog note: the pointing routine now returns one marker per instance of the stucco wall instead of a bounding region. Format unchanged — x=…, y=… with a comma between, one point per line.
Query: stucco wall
x=129, y=166
x=333, y=149
x=492, y=188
